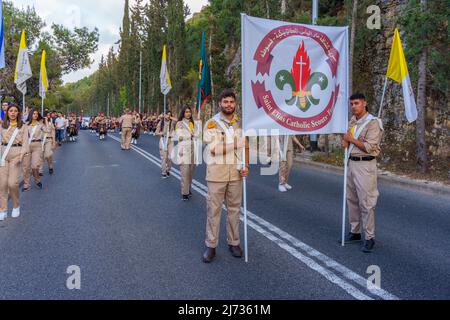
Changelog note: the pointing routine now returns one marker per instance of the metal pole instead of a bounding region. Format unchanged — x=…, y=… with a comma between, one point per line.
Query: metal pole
x=107, y=107
x=140, y=81
x=382, y=98
x=315, y=11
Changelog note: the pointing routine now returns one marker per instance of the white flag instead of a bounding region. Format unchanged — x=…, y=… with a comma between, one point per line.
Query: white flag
x=23, y=67
x=295, y=77
x=166, y=84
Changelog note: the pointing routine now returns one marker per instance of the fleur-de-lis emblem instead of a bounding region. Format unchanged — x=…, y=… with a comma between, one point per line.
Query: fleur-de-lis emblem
x=301, y=81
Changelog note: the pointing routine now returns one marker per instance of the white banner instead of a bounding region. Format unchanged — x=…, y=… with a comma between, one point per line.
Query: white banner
x=294, y=77
x=23, y=71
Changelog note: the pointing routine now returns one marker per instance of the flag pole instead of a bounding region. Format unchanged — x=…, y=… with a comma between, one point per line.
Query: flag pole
x=244, y=156
x=42, y=105
x=23, y=107
x=166, y=138
x=382, y=98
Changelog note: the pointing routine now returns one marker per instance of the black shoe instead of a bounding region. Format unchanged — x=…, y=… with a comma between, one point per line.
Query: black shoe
x=185, y=198
x=41, y=174
x=209, y=255
x=50, y=171
x=236, y=251
x=352, y=238
x=164, y=176
x=39, y=184
x=368, y=246
x=168, y=174
x=25, y=189
x=190, y=194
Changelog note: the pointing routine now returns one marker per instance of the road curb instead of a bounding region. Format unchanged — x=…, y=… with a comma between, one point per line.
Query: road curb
x=423, y=186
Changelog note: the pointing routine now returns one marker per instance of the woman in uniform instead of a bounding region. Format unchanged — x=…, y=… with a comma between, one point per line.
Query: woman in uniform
x=136, y=132
x=165, y=130
x=14, y=146
x=49, y=143
x=186, y=133
x=32, y=161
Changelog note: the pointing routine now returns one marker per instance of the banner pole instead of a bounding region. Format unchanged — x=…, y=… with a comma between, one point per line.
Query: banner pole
x=23, y=107
x=382, y=98
x=344, y=201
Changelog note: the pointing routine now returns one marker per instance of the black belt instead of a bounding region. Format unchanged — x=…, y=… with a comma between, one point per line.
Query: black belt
x=362, y=158
x=39, y=140
x=14, y=145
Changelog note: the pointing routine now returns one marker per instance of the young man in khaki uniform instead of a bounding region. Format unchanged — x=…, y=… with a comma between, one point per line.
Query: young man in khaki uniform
x=225, y=170
x=363, y=141
x=126, y=121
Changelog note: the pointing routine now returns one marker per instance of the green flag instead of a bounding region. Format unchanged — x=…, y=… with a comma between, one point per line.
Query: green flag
x=204, y=78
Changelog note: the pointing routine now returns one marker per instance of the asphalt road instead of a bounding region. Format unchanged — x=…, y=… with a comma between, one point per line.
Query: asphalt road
x=108, y=212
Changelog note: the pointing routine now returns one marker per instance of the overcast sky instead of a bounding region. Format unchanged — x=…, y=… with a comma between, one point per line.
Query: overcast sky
x=106, y=15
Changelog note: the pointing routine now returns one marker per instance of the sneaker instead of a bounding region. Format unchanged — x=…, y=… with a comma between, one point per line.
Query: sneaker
x=3, y=216
x=368, y=246
x=289, y=187
x=41, y=174
x=39, y=184
x=164, y=176
x=185, y=198
x=25, y=189
x=353, y=238
x=15, y=213
x=282, y=188
x=50, y=171
x=190, y=194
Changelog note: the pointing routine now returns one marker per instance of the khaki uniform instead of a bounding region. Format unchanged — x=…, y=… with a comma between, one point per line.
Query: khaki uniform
x=362, y=190
x=10, y=173
x=33, y=161
x=168, y=131
x=285, y=164
x=186, y=133
x=224, y=181
x=127, y=121
x=49, y=145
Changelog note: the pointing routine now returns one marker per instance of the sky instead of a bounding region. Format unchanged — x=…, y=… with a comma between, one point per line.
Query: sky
x=106, y=15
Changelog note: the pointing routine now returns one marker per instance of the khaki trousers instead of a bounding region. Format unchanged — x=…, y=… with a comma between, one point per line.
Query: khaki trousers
x=32, y=163
x=286, y=167
x=219, y=193
x=187, y=175
x=166, y=161
x=48, y=154
x=362, y=196
x=126, y=138
x=9, y=179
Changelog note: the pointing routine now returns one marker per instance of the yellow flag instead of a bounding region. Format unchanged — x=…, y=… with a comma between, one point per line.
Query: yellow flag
x=166, y=84
x=398, y=71
x=43, y=80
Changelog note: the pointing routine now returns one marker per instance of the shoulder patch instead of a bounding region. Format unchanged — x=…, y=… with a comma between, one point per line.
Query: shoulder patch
x=212, y=124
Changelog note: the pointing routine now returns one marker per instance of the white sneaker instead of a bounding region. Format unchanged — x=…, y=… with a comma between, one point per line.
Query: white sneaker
x=289, y=187
x=15, y=213
x=3, y=216
x=282, y=188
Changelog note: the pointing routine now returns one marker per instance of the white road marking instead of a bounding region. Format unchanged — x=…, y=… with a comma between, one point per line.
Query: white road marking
x=282, y=239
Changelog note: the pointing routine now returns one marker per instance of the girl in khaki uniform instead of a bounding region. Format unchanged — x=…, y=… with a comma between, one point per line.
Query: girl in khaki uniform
x=32, y=161
x=165, y=130
x=285, y=146
x=186, y=133
x=48, y=144
x=14, y=133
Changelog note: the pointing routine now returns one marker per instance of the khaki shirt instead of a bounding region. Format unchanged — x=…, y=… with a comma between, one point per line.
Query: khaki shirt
x=222, y=167
x=371, y=135
x=21, y=138
x=127, y=121
x=39, y=132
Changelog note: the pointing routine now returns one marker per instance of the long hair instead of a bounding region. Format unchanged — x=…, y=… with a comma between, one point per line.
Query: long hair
x=6, y=122
x=163, y=120
x=30, y=116
x=183, y=111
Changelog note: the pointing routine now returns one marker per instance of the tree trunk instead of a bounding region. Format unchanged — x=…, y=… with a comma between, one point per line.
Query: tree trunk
x=352, y=42
x=422, y=160
x=283, y=7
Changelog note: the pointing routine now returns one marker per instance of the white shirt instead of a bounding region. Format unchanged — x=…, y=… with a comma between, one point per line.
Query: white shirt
x=59, y=122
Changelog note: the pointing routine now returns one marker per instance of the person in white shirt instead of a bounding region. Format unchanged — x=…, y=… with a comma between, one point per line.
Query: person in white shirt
x=60, y=128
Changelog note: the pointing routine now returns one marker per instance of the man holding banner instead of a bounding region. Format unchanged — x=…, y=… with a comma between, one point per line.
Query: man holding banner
x=363, y=141
x=225, y=170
